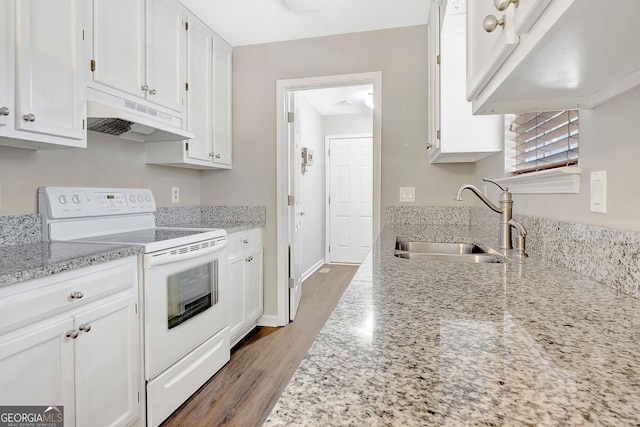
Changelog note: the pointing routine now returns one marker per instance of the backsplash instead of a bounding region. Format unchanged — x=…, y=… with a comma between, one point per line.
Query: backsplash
x=221, y=214
x=606, y=255
x=25, y=229
x=20, y=229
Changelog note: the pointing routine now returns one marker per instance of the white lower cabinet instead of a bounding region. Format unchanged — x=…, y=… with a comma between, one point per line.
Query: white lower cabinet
x=246, y=282
x=72, y=341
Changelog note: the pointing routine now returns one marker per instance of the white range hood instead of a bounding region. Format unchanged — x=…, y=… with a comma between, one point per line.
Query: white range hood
x=112, y=115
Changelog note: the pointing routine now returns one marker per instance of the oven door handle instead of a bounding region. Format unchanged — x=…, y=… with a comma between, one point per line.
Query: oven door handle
x=166, y=257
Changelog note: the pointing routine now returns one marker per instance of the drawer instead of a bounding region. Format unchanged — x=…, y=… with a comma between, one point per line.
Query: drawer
x=35, y=299
x=244, y=240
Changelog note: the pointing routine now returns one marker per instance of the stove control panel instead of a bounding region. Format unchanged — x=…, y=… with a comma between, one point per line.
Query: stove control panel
x=76, y=202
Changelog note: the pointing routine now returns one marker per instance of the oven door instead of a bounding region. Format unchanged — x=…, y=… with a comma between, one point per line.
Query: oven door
x=185, y=297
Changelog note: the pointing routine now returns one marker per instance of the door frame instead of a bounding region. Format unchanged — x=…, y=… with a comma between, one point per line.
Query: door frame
x=327, y=186
x=283, y=169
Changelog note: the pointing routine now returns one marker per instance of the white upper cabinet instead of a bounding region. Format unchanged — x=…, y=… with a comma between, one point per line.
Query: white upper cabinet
x=42, y=97
x=208, y=112
x=139, y=49
x=456, y=135
x=565, y=54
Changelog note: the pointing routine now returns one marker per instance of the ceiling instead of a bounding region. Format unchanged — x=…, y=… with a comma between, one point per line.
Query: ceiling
x=339, y=100
x=245, y=22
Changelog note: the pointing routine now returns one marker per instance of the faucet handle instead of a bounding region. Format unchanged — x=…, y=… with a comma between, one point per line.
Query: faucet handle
x=503, y=188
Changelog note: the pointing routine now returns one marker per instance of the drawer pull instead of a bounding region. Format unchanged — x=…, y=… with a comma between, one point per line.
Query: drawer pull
x=72, y=333
x=76, y=295
x=85, y=327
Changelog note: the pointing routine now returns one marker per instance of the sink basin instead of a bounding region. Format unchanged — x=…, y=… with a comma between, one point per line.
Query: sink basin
x=443, y=251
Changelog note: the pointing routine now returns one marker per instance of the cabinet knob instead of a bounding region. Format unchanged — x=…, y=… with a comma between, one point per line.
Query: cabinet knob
x=490, y=23
x=29, y=117
x=76, y=295
x=144, y=88
x=85, y=327
x=152, y=91
x=215, y=156
x=245, y=241
x=249, y=259
x=72, y=333
x=502, y=5
x=429, y=146
x=4, y=111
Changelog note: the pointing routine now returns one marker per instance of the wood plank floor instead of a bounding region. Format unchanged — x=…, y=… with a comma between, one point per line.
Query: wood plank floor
x=245, y=390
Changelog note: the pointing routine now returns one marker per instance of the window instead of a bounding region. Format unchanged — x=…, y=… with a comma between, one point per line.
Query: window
x=541, y=140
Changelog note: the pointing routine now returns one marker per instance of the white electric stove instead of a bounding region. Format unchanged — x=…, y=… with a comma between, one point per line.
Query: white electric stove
x=184, y=290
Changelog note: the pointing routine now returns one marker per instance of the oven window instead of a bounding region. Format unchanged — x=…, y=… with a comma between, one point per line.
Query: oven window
x=191, y=292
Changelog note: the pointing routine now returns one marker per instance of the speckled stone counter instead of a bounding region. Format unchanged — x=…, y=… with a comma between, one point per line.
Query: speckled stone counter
x=23, y=262
x=427, y=343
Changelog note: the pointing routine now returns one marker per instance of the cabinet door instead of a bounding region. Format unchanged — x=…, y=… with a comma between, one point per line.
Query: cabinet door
x=253, y=285
x=118, y=44
x=200, y=93
x=49, y=87
x=6, y=62
x=36, y=366
x=222, y=106
x=166, y=54
x=236, y=295
x=486, y=52
x=107, y=368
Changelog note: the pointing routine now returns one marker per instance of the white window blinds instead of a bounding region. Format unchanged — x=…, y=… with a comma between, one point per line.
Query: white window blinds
x=541, y=140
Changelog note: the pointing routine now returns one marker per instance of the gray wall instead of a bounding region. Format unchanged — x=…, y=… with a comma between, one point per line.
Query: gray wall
x=608, y=141
x=400, y=54
x=106, y=162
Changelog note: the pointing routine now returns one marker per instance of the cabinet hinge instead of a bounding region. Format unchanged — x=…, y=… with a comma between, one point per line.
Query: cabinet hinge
x=136, y=308
x=329, y=200
x=438, y=59
x=82, y=124
x=138, y=397
x=329, y=248
x=186, y=86
x=83, y=35
x=186, y=26
x=186, y=146
x=290, y=117
x=292, y=283
x=290, y=200
x=438, y=134
x=93, y=65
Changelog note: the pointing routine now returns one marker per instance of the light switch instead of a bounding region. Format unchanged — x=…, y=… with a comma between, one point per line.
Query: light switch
x=407, y=194
x=599, y=192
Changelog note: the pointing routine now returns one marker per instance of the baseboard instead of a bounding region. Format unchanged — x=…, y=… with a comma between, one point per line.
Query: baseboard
x=270, y=320
x=312, y=270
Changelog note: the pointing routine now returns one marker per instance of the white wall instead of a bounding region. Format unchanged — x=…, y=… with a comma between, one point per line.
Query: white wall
x=106, y=162
x=345, y=124
x=311, y=184
x=400, y=54
x=609, y=141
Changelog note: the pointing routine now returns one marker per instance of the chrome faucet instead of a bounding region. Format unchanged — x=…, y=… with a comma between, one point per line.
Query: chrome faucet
x=506, y=213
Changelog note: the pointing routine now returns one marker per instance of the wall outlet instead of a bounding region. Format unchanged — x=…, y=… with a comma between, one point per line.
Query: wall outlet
x=175, y=194
x=407, y=194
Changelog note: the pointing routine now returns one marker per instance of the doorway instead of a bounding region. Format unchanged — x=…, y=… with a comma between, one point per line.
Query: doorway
x=287, y=212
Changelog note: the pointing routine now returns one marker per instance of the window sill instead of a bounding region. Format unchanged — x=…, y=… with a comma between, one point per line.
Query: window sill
x=565, y=180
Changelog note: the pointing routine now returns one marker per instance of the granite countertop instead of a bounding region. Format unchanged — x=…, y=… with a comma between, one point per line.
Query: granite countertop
x=415, y=342
x=19, y=263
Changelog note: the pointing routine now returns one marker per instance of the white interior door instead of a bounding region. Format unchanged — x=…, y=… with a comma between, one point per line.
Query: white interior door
x=295, y=210
x=350, y=199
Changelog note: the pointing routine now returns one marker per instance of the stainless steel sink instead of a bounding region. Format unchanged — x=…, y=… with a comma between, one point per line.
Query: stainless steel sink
x=443, y=251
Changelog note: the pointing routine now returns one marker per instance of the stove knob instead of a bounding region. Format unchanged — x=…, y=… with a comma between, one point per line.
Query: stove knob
x=63, y=199
x=140, y=198
x=132, y=198
x=76, y=199
x=148, y=198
